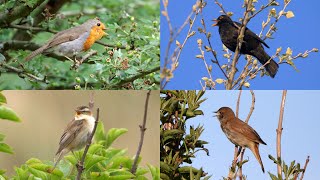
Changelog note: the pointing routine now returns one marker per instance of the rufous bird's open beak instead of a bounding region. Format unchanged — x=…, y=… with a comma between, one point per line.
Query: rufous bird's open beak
x=216, y=24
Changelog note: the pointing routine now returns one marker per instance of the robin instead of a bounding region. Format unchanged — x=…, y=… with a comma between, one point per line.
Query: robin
x=239, y=132
x=74, y=40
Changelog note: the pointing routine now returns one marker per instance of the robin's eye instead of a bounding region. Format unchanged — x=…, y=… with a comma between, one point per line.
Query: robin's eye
x=98, y=24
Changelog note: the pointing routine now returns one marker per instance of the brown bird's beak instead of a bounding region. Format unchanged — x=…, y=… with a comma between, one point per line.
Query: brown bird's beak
x=216, y=24
x=216, y=113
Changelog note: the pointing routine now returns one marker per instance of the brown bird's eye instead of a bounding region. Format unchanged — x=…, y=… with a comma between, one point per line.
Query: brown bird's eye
x=98, y=24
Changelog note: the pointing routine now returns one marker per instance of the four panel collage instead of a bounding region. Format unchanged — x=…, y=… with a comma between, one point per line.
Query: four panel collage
x=83, y=85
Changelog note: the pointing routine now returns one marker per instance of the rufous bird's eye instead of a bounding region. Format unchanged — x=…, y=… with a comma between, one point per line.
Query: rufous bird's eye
x=98, y=24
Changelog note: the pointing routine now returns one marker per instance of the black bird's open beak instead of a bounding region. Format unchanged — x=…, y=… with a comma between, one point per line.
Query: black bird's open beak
x=216, y=24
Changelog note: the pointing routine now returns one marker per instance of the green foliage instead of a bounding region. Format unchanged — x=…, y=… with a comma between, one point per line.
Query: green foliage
x=101, y=162
x=129, y=58
x=7, y=114
x=178, y=147
x=289, y=172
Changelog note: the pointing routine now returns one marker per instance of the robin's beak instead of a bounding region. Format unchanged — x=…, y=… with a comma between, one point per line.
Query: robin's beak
x=216, y=24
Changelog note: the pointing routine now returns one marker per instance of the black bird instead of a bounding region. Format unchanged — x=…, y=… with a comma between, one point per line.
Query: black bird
x=229, y=31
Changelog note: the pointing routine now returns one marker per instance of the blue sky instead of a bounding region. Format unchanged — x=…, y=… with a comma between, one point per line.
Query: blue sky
x=299, y=33
x=299, y=137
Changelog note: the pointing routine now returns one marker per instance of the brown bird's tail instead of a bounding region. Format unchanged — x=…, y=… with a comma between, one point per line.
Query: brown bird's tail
x=255, y=151
x=263, y=57
x=59, y=156
x=35, y=53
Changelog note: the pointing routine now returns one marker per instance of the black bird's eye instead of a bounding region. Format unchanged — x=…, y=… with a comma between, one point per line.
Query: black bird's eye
x=98, y=24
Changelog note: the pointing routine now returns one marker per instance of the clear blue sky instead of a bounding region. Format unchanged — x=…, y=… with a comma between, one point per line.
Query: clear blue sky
x=299, y=33
x=300, y=136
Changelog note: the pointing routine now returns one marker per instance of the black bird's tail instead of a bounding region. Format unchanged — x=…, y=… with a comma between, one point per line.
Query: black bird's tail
x=263, y=57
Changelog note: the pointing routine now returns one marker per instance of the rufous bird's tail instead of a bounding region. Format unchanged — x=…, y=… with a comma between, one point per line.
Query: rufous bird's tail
x=255, y=151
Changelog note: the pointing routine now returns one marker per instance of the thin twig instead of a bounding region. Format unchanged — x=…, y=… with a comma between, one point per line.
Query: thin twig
x=142, y=131
x=239, y=44
x=172, y=36
x=238, y=104
x=236, y=150
x=279, y=132
x=253, y=101
x=305, y=167
x=80, y=165
x=141, y=74
x=211, y=49
x=252, y=105
x=220, y=5
x=23, y=73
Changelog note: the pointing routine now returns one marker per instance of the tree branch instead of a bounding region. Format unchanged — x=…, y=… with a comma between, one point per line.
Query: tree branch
x=238, y=48
x=23, y=73
x=17, y=12
x=132, y=78
x=142, y=131
x=279, y=131
x=305, y=167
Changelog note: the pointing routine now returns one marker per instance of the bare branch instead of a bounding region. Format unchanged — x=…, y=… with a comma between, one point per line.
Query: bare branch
x=142, y=131
x=252, y=105
x=305, y=167
x=279, y=131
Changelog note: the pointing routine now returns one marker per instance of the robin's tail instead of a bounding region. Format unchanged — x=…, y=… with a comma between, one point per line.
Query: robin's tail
x=35, y=53
x=263, y=57
x=255, y=151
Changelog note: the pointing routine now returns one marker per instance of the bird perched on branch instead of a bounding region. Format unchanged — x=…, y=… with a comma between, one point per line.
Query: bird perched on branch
x=76, y=133
x=239, y=132
x=74, y=40
x=251, y=45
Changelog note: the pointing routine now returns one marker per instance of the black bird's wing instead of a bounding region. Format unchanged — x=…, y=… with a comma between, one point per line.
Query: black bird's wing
x=248, y=32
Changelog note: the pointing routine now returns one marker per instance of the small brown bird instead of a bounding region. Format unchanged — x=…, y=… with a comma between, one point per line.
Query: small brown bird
x=76, y=133
x=239, y=132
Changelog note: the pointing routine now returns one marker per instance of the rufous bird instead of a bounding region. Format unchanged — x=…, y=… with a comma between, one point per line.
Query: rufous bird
x=239, y=132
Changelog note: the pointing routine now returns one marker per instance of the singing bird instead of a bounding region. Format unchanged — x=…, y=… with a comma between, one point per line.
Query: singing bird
x=239, y=132
x=252, y=44
x=74, y=40
x=76, y=133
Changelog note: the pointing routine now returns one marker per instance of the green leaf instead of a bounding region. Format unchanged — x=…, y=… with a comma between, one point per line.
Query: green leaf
x=5, y=148
x=91, y=160
x=100, y=134
x=2, y=98
x=94, y=148
x=2, y=171
x=155, y=172
x=2, y=136
x=113, y=134
x=8, y=114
